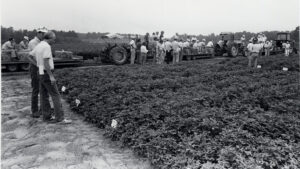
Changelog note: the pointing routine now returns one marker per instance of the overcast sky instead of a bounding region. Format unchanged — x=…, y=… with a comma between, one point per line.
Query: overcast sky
x=141, y=16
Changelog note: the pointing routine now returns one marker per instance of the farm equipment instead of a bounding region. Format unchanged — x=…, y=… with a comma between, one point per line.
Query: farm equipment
x=229, y=45
x=61, y=58
x=282, y=37
x=117, y=53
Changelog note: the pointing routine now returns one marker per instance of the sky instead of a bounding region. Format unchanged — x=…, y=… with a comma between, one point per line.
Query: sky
x=141, y=16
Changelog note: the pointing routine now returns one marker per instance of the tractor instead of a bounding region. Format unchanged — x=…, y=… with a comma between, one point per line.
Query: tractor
x=282, y=37
x=229, y=45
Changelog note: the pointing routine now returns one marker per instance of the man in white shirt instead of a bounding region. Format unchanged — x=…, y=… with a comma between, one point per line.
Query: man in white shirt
x=132, y=50
x=9, y=48
x=24, y=43
x=176, y=50
x=44, y=61
x=287, y=47
x=210, y=47
x=144, y=52
x=34, y=74
x=255, y=50
x=168, y=46
x=267, y=47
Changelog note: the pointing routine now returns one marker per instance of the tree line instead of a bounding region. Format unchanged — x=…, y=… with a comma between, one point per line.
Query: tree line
x=72, y=36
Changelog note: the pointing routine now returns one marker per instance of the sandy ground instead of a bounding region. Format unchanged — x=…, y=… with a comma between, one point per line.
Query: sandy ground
x=28, y=143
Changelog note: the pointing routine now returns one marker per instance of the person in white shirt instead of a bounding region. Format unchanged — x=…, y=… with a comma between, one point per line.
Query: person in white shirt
x=168, y=45
x=176, y=50
x=210, y=47
x=9, y=48
x=132, y=50
x=267, y=47
x=255, y=50
x=161, y=52
x=181, y=45
x=249, y=46
x=33, y=70
x=24, y=43
x=287, y=49
x=201, y=46
x=44, y=61
x=144, y=52
x=8, y=45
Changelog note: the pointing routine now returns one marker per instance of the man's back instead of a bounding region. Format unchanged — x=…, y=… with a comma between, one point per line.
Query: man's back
x=33, y=43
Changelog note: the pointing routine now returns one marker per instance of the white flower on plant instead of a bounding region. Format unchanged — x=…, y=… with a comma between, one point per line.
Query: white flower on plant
x=285, y=69
x=114, y=123
x=63, y=89
x=77, y=102
x=258, y=66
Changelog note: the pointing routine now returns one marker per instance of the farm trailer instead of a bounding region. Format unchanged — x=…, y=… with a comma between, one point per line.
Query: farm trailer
x=61, y=58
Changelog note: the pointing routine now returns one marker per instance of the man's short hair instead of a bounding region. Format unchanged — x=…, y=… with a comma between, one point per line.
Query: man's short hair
x=49, y=35
x=10, y=39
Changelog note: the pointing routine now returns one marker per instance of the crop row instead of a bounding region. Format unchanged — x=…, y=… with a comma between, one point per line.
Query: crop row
x=197, y=114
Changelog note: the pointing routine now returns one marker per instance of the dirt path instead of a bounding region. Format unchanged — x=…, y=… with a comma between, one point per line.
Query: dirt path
x=32, y=144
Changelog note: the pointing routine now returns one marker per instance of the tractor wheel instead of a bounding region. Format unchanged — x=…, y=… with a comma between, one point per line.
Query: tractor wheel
x=118, y=55
x=25, y=67
x=233, y=51
x=12, y=68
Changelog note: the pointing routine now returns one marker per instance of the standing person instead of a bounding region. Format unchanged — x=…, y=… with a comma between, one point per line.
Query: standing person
x=267, y=47
x=168, y=45
x=255, y=50
x=132, y=51
x=42, y=52
x=176, y=50
x=181, y=45
x=161, y=35
x=161, y=50
x=24, y=43
x=138, y=50
x=287, y=47
x=153, y=37
x=144, y=52
x=33, y=69
x=146, y=38
x=249, y=47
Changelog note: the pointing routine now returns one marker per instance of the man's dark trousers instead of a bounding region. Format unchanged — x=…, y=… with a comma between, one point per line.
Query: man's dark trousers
x=46, y=89
x=35, y=90
x=35, y=84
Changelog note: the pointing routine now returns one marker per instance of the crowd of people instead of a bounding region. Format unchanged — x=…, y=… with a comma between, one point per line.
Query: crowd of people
x=166, y=50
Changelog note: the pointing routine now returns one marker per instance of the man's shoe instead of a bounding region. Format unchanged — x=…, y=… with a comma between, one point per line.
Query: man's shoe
x=65, y=121
x=35, y=116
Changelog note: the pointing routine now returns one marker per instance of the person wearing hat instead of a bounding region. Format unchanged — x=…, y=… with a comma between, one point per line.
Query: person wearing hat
x=44, y=62
x=24, y=43
x=255, y=50
x=34, y=73
x=132, y=50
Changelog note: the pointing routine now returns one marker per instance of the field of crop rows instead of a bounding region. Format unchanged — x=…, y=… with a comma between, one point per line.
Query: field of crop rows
x=196, y=114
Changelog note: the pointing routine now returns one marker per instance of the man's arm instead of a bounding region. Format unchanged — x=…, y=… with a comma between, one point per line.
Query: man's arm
x=48, y=70
x=30, y=59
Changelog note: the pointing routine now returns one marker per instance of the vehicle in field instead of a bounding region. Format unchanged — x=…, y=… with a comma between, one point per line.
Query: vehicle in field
x=61, y=58
x=282, y=37
x=229, y=45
